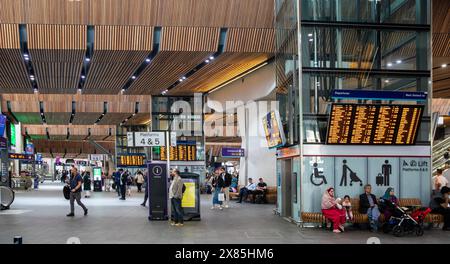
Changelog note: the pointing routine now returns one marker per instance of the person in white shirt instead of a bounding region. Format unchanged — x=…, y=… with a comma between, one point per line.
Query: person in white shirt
x=249, y=189
x=439, y=181
x=446, y=172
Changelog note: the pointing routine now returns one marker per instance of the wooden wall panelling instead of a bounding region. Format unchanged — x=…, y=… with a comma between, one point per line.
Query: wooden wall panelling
x=118, y=52
x=57, y=53
x=14, y=77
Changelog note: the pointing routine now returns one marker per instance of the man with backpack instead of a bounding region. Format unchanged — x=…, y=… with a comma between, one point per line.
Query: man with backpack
x=176, y=190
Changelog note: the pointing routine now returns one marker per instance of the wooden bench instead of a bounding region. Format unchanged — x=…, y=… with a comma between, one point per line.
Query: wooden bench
x=271, y=195
x=359, y=218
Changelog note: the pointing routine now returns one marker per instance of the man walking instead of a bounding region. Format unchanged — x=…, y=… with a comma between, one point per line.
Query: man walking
x=123, y=183
x=75, y=192
x=145, y=189
x=226, y=185
x=116, y=176
x=175, y=196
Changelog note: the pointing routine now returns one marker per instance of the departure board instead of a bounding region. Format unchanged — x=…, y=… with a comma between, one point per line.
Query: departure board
x=130, y=160
x=374, y=124
x=179, y=153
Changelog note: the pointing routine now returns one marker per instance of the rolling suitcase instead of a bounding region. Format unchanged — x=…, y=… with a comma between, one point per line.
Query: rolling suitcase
x=66, y=192
x=379, y=179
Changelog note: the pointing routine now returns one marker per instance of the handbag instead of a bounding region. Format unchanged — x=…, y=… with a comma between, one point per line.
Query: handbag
x=221, y=197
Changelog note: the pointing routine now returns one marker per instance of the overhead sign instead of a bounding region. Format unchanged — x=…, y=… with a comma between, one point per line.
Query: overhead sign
x=233, y=152
x=378, y=95
x=173, y=139
x=81, y=162
x=19, y=156
x=96, y=157
x=3, y=143
x=149, y=139
x=2, y=124
x=13, y=134
x=374, y=124
x=29, y=149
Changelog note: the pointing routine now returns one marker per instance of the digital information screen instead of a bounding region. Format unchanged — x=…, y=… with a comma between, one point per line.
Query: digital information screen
x=273, y=130
x=374, y=124
x=131, y=160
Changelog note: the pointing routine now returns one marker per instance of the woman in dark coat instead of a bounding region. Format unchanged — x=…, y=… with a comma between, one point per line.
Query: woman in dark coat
x=87, y=184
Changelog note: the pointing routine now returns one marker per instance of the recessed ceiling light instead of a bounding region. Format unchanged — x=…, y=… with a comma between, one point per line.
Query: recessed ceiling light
x=386, y=81
x=444, y=65
x=133, y=77
x=82, y=76
x=180, y=80
x=211, y=57
x=207, y=61
x=87, y=59
x=398, y=61
x=184, y=78
x=389, y=64
x=147, y=60
x=311, y=40
x=310, y=35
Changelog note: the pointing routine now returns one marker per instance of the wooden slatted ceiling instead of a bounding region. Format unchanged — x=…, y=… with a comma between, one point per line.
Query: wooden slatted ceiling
x=181, y=49
x=204, y=13
x=114, y=118
x=57, y=53
x=14, y=78
x=441, y=45
x=118, y=52
x=223, y=68
x=441, y=16
x=250, y=40
x=60, y=146
x=75, y=130
x=139, y=119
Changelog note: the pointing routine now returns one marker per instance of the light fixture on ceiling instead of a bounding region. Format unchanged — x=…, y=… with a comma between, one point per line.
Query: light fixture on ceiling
x=87, y=59
x=207, y=61
x=122, y=91
x=311, y=40
x=389, y=64
x=147, y=60
x=398, y=61
x=211, y=57
x=386, y=81
x=310, y=35
x=180, y=80
x=444, y=65
x=83, y=77
x=133, y=77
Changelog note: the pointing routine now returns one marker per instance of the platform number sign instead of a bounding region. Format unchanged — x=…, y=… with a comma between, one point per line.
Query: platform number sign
x=149, y=139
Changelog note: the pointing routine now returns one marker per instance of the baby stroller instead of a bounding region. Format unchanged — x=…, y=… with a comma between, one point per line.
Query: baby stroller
x=354, y=178
x=405, y=221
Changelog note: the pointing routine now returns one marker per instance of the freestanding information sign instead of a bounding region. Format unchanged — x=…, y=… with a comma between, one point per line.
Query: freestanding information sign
x=157, y=190
x=191, y=197
x=97, y=171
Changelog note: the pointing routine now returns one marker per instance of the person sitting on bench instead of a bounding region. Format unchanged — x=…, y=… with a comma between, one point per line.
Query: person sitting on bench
x=261, y=189
x=249, y=189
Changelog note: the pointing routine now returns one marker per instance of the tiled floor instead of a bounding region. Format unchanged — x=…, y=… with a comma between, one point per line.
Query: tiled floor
x=40, y=217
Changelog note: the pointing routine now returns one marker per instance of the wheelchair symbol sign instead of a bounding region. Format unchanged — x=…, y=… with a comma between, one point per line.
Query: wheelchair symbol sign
x=317, y=177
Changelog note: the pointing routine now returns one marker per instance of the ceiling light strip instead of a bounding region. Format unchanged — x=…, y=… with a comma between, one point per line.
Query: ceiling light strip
x=147, y=60
x=26, y=57
x=208, y=60
x=90, y=37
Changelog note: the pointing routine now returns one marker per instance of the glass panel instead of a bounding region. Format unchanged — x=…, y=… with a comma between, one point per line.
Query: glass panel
x=367, y=11
x=351, y=48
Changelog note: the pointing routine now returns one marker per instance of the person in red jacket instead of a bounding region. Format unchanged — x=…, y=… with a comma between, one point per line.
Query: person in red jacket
x=332, y=210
